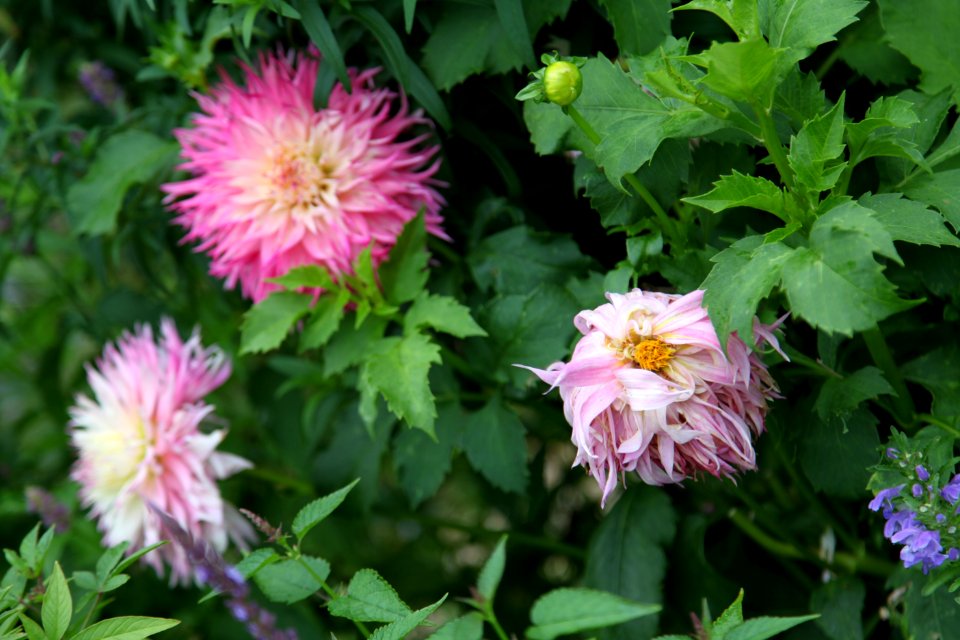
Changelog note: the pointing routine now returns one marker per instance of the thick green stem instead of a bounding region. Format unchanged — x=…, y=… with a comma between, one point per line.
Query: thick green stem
x=666, y=223
x=492, y=619
x=880, y=352
x=771, y=140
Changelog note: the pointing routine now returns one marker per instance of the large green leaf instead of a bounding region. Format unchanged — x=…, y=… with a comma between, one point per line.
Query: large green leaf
x=632, y=535
x=803, y=25
x=369, y=598
x=267, y=323
x=125, y=159
x=566, y=611
x=746, y=71
x=816, y=149
x=836, y=453
x=835, y=283
x=398, y=368
x=909, y=221
x=927, y=38
x=744, y=274
x=316, y=512
x=840, y=396
x=125, y=628
x=639, y=26
x=293, y=579
x=422, y=463
x=493, y=439
x=840, y=603
x=321, y=34
x=939, y=190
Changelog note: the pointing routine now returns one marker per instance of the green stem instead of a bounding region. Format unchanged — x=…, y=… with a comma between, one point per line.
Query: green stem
x=282, y=480
x=492, y=619
x=880, y=352
x=771, y=140
x=937, y=422
x=827, y=64
x=761, y=537
x=666, y=223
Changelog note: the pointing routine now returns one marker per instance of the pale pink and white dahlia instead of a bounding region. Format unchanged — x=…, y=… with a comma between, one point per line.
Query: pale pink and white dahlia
x=278, y=183
x=649, y=389
x=140, y=446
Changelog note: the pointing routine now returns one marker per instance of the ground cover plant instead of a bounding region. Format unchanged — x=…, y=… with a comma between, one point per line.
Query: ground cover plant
x=618, y=319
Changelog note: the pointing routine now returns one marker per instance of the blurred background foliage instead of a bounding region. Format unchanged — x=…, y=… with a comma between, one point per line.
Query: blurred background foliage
x=87, y=250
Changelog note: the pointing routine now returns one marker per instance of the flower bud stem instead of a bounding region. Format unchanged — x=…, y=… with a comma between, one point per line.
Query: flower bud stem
x=771, y=140
x=666, y=223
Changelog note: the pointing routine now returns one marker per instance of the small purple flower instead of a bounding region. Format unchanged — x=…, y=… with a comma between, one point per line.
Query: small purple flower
x=951, y=492
x=922, y=473
x=99, y=82
x=941, y=518
x=892, y=453
x=916, y=490
x=953, y=553
x=924, y=548
x=885, y=499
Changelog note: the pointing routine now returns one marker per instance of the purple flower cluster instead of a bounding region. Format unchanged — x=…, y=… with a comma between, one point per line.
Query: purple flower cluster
x=100, y=83
x=211, y=569
x=921, y=542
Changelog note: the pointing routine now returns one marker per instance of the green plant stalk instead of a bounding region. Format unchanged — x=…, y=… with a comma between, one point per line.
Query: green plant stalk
x=937, y=422
x=880, y=352
x=491, y=617
x=771, y=140
x=665, y=221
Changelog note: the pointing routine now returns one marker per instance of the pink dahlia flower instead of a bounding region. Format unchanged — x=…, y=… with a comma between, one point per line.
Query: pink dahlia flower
x=649, y=389
x=139, y=444
x=278, y=183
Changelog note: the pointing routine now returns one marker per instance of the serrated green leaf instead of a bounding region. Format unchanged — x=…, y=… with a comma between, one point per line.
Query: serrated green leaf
x=369, y=598
x=324, y=320
x=125, y=159
x=815, y=150
x=564, y=611
x=404, y=273
x=314, y=513
x=633, y=534
x=745, y=71
x=740, y=15
x=939, y=190
x=493, y=439
x=731, y=618
x=840, y=396
x=125, y=628
x=321, y=34
x=835, y=284
x=803, y=25
x=309, y=276
x=514, y=24
x=926, y=38
x=442, y=313
x=399, y=369
x=909, y=220
x=639, y=26
x=267, y=323
x=886, y=112
x=468, y=627
x=422, y=463
x=739, y=190
x=492, y=571
x=766, y=627
x=350, y=345
x=398, y=630
x=255, y=560
x=518, y=259
x=57, y=607
x=865, y=51
x=743, y=275
x=293, y=579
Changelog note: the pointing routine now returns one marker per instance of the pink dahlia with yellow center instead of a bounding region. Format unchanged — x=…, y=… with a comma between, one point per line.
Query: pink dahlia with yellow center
x=649, y=389
x=141, y=448
x=279, y=183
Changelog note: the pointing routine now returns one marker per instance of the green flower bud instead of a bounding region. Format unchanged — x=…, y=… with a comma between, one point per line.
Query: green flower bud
x=562, y=83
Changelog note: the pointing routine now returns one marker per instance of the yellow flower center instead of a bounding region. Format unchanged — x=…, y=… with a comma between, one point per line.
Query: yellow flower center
x=651, y=354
